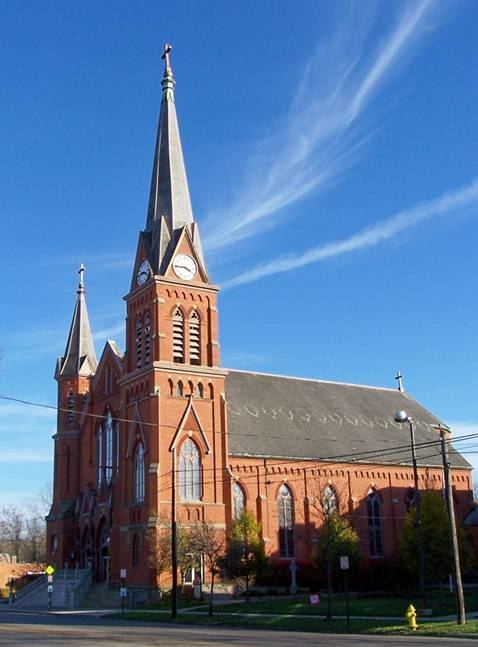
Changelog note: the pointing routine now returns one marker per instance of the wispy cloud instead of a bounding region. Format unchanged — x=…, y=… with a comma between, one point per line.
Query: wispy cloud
x=322, y=134
x=450, y=202
x=25, y=456
x=110, y=332
x=112, y=261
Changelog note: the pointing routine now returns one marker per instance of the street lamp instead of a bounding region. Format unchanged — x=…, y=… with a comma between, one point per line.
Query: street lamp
x=402, y=417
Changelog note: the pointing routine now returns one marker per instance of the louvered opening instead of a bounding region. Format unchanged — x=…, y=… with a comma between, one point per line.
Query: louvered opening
x=139, y=342
x=178, y=336
x=71, y=409
x=147, y=338
x=194, y=338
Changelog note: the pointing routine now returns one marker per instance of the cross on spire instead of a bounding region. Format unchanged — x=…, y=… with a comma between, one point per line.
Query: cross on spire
x=81, y=271
x=165, y=55
x=399, y=378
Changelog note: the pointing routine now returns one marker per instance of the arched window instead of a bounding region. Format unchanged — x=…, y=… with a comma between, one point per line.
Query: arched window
x=139, y=341
x=117, y=447
x=238, y=500
x=199, y=390
x=189, y=472
x=109, y=448
x=70, y=405
x=135, y=550
x=410, y=498
x=179, y=388
x=285, y=505
x=139, y=474
x=329, y=502
x=374, y=524
x=178, y=336
x=147, y=337
x=99, y=454
x=194, y=338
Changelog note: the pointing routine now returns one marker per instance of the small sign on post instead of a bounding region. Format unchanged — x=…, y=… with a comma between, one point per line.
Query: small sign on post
x=314, y=598
x=123, y=592
x=122, y=574
x=49, y=570
x=344, y=565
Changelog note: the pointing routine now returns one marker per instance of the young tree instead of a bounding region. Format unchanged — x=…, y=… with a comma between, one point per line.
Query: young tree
x=436, y=539
x=160, y=548
x=209, y=541
x=335, y=537
x=245, y=556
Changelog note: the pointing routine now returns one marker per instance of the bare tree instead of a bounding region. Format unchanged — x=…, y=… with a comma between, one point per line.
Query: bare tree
x=209, y=541
x=12, y=525
x=335, y=536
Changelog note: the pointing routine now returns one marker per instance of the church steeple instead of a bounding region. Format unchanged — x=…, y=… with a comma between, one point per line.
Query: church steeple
x=79, y=357
x=169, y=208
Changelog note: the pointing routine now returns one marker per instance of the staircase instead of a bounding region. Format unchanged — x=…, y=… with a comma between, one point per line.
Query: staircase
x=70, y=587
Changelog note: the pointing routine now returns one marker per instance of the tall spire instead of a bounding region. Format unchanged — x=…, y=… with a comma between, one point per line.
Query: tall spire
x=169, y=208
x=79, y=357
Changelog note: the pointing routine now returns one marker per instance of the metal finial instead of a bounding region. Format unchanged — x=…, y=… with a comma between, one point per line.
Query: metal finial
x=165, y=55
x=81, y=284
x=168, y=82
x=399, y=378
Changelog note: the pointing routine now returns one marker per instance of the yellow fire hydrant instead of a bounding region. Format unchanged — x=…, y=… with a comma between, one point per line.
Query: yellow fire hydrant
x=411, y=616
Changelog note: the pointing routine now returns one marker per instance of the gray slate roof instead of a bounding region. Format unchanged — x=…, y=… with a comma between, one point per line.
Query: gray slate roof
x=287, y=417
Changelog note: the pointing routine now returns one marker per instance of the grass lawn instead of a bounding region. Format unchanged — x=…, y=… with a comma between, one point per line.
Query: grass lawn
x=377, y=627
x=359, y=606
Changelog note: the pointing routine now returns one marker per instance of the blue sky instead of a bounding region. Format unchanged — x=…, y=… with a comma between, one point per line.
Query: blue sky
x=331, y=150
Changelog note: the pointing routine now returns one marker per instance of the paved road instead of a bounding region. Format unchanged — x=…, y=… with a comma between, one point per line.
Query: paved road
x=27, y=629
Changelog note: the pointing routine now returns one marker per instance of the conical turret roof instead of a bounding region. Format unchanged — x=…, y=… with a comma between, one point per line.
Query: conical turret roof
x=79, y=357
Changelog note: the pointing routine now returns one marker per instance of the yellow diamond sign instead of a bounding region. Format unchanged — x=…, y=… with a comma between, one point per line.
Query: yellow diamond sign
x=49, y=570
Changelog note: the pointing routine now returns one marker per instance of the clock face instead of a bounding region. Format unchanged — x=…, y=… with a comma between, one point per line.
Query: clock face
x=144, y=271
x=185, y=267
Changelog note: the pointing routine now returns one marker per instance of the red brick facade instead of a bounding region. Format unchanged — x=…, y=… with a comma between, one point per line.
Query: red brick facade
x=122, y=428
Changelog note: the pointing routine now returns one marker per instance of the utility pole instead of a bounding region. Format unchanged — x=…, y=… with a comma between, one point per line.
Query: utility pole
x=402, y=417
x=460, y=602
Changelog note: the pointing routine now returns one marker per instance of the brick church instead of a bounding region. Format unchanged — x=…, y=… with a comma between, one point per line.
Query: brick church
x=165, y=416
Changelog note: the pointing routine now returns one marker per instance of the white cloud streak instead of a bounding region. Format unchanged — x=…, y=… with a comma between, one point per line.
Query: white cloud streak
x=320, y=137
x=450, y=202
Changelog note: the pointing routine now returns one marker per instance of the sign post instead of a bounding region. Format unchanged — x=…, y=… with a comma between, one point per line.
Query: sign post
x=49, y=570
x=123, y=589
x=344, y=565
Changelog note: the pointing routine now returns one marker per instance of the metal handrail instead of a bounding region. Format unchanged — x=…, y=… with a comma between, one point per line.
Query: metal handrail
x=30, y=588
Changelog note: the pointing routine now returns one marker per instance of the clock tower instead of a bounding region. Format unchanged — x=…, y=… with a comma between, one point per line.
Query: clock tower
x=173, y=385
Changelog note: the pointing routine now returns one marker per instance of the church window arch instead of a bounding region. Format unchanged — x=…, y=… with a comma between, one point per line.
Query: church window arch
x=139, y=341
x=189, y=471
x=194, y=338
x=109, y=448
x=191, y=387
x=147, y=337
x=238, y=500
x=180, y=388
x=117, y=446
x=211, y=391
x=135, y=550
x=374, y=524
x=171, y=387
x=139, y=474
x=330, y=503
x=70, y=405
x=285, y=505
x=199, y=390
x=99, y=455
x=178, y=336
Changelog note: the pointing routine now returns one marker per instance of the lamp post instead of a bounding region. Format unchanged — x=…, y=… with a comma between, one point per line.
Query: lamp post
x=402, y=417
